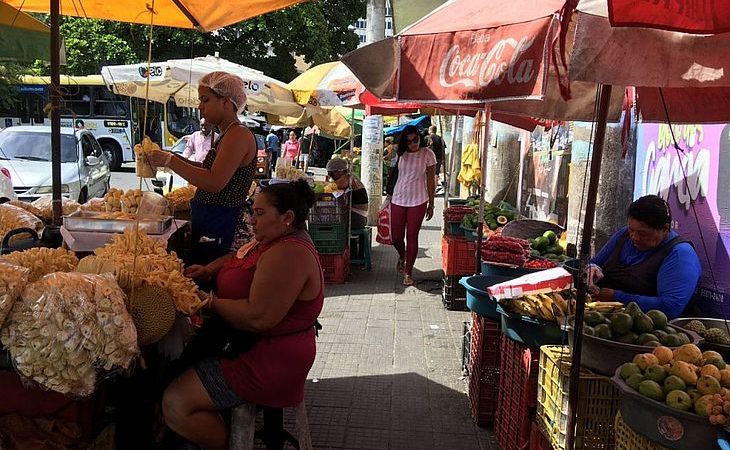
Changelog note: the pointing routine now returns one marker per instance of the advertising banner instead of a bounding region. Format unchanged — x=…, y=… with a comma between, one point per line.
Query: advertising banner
x=696, y=184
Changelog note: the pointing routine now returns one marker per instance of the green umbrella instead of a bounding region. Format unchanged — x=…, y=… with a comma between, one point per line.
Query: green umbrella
x=23, y=38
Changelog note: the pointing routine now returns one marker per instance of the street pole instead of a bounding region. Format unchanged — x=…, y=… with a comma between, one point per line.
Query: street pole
x=371, y=153
x=55, y=91
x=585, y=255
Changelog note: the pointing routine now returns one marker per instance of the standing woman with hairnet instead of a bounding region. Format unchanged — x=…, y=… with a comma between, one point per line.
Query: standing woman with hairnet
x=224, y=178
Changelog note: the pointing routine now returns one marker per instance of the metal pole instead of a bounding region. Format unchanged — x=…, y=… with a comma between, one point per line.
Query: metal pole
x=484, y=145
x=55, y=91
x=585, y=252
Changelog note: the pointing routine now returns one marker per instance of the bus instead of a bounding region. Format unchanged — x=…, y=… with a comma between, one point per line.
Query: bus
x=113, y=119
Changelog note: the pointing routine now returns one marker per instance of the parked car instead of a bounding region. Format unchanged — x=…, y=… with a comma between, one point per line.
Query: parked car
x=25, y=153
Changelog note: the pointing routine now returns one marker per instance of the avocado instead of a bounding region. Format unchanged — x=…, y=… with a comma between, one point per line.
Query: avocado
x=670, y=340
x=643, y=323
x=541, y=243
x=628, y=338
x=603, y=331
x=556, y=249
x=659, y=333
x=645, y=338
x=593, y=318
x=534, y=253
x=551, y=236
x=621, y=323
x=632, y=308
x=658, y=317
x=670, y=330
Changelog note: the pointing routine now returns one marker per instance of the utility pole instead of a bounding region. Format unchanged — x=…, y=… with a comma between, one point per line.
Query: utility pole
x=371, y=158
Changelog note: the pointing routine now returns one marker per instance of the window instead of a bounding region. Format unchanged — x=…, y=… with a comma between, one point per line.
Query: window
x=77, y=99
x=86, y=146
x=362, y=38
x=108, y=104
x=388, y=25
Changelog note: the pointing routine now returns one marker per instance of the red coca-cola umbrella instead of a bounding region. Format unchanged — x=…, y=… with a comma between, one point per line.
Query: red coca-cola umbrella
x=703, y=17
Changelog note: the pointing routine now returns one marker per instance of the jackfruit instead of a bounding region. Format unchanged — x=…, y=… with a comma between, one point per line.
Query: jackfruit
x=717, y=336
x=153, y=312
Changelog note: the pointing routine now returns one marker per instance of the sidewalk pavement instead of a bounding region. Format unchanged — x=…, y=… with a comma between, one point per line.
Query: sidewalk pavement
x=388, y=369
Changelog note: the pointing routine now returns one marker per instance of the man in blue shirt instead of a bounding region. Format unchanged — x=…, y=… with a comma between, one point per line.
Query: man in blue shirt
x=273, y=145
x=646, y=262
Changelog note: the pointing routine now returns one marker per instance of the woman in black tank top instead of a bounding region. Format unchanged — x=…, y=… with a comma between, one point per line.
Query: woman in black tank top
x=225, y=176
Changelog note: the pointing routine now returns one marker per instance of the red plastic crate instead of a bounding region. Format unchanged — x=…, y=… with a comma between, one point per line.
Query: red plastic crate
x=484, y=369
x=538, y=440
x=336, y=267
x=458, y=256
x=517, y=395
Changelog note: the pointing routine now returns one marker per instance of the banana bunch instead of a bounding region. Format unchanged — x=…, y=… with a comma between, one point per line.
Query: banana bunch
x=604, y=307
x=551, y=306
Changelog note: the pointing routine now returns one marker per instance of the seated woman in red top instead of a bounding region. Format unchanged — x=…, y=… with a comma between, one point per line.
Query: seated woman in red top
x=273, y=287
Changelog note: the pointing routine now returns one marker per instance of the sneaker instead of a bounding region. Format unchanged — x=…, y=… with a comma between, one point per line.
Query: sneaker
x=407, y=280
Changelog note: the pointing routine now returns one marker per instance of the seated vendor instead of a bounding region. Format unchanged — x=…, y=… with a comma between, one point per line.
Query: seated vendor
x=253, y=297
x=646, y=262
x=339, y=172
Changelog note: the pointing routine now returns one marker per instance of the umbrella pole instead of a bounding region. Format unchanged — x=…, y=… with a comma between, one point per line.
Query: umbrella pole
x=484, y=143
x=585, y=251
x=55, y=91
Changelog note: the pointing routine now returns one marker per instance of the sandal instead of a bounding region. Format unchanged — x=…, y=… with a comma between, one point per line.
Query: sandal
x=401, y=264
x=407, y=280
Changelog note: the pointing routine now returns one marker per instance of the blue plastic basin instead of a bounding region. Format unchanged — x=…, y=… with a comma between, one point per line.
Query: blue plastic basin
x=477, y=297
x=530, y=331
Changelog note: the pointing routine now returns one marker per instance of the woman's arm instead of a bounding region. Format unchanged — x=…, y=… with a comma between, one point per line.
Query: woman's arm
x=431, y=187
x=208, y=271
x=270, y=299
x=237, y=147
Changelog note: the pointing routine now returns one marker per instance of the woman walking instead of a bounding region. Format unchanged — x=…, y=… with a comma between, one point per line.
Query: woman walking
x=413, y=197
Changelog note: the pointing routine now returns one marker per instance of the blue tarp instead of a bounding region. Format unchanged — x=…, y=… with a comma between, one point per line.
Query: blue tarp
x=417, y=122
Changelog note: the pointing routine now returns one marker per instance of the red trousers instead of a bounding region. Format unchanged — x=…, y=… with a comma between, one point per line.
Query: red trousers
x=405, y=224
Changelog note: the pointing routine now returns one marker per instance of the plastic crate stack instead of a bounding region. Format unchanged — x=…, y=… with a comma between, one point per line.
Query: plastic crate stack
x=517, y=395
x=628, y=439
x=484, y=360
x=458, y=260
x=598, y=403
x=329, y=228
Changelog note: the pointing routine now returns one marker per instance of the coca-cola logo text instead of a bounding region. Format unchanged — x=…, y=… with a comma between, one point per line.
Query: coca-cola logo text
x=503, y=62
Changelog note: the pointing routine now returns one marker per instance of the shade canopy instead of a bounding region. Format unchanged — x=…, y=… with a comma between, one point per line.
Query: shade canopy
x=178, y=79
x=201, y=14
x=24, y=38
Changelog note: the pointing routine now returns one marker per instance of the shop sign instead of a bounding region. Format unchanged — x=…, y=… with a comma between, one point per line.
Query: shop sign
x=694, y=180
x=488, y=64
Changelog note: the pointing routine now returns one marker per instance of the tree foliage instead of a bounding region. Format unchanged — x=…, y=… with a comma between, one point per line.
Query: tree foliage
x=316, y=30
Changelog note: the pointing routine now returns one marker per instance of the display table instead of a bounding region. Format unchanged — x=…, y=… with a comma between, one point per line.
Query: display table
x=87, y=241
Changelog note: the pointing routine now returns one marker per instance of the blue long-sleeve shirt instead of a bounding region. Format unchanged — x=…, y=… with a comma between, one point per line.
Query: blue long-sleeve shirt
x=676, y=281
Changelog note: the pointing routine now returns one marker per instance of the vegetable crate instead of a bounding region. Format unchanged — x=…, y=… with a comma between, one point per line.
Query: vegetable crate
x=517, y=394
x=329, y=209
x=598, y=402
x=330, y=238
x=538, y=439
x=628, y=439
x=458, y=256
x=453, y=294
x=336, y=267
x=466, y=348
x=484, y=369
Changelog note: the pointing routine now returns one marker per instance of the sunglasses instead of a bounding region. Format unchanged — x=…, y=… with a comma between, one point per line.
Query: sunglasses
x=413, y=141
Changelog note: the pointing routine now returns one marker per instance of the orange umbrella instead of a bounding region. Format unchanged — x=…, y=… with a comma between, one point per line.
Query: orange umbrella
x=201, y=14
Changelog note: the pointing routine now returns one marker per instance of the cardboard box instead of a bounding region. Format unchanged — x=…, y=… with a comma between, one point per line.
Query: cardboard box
x=549, y=280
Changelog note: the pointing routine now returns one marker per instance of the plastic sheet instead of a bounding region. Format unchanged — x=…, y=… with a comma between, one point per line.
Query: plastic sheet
x=12, y=218
x=65, y=327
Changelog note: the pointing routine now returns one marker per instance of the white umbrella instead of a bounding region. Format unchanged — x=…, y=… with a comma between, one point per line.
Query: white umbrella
x=178, y=79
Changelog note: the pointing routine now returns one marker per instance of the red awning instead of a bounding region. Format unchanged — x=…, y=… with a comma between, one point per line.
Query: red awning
x=701, y=17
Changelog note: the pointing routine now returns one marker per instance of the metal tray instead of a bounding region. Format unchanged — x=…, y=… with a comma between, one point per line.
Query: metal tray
x=88, y=221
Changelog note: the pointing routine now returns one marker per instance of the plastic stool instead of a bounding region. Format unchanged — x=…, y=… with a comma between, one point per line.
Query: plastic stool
x=364, y=238
x=273, y=434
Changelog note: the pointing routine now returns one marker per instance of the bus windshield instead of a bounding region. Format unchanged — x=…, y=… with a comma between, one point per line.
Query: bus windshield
x=181, y=121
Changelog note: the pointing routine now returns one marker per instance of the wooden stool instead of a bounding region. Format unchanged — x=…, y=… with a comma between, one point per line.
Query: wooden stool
x=243, y=428
x=364, y=238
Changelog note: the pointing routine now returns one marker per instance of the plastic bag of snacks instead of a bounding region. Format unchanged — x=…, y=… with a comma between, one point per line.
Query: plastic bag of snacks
x=12, y=218
x=44, y=204
x=143, y=168
x=67, y=325
x=42, y=261
x=12, y=281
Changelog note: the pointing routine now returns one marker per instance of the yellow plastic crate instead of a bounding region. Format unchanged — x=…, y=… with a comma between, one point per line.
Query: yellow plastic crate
x=628, y=439
x=598, y=403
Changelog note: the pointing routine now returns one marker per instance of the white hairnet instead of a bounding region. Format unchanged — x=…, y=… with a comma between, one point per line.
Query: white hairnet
x=226, y=85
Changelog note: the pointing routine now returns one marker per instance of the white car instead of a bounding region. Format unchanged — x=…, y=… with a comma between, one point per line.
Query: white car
x=25, y=152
